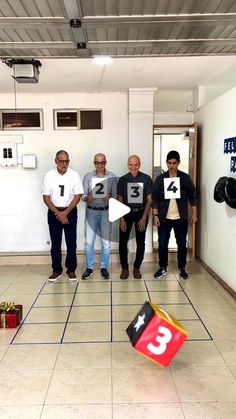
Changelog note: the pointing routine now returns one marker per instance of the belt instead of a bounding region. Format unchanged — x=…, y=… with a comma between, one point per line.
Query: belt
x=61, y=208
x=97, y=208
x=137, y=209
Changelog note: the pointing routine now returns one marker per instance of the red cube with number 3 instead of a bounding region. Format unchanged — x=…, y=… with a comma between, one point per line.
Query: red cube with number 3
x=156, y=334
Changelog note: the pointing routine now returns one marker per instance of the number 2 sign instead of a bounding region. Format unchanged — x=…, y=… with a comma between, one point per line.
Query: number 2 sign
x=172, y=187
x=156, y=334
x=99, y=187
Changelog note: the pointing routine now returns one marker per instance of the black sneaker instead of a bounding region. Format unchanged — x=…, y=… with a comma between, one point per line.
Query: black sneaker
x=160, y=273
x=182, y=273
x=87, y=273
x=105, y=273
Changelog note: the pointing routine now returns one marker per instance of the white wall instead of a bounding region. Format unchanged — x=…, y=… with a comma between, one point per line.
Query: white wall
x=23, y=223
x=217, y=224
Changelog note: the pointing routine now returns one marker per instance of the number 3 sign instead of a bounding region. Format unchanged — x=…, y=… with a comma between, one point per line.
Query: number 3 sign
x=172, y=187
x=156, y=334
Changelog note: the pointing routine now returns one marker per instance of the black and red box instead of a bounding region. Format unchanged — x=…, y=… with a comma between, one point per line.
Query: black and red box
x=156, y=334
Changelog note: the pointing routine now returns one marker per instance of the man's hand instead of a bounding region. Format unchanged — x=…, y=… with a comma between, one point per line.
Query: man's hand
x=123, y=226
x=156, y=221
x=62, y=217
x=106, y=198
x=141, y=224
x=194, y=219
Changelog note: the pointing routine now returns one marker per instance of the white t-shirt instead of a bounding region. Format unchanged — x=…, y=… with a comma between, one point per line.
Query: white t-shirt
x=62, y=188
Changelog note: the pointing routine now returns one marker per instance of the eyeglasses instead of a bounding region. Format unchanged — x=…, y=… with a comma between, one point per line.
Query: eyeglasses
x=63, y=161
x=99, y=162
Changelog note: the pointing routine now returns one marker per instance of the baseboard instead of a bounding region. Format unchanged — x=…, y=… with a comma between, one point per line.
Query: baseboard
x=217, y=277
x=44, y=258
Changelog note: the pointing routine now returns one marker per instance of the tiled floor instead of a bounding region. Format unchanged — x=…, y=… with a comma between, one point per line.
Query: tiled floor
x=71, y=357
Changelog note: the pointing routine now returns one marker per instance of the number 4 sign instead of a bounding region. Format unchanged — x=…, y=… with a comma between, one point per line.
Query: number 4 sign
x=156, y=334
x=172, y=187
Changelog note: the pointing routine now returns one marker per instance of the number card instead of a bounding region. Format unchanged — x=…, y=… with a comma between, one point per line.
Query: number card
x=99, y=187
x=172, y=187
x=156, y=334
x=61, y=192
x=135, y=192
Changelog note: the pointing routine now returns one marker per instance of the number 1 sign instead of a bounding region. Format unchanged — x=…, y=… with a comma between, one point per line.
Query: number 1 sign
x=156, y=334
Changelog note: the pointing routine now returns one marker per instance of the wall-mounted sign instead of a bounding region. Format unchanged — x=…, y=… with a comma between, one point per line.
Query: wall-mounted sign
x=230, y=145
x=233, y=164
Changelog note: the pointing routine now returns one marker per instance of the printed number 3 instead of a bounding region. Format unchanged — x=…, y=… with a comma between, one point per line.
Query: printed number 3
x=135, y=193
x=162, y=340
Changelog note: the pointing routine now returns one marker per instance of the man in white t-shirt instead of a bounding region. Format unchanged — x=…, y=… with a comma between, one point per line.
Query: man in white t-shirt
x=62, y=188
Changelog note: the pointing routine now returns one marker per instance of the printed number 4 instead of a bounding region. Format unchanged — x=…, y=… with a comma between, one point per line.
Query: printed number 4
x=162, y=340
x=172, y=188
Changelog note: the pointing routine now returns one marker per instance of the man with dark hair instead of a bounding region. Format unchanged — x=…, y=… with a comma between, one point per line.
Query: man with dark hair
x=172, y=192
x=62, y=188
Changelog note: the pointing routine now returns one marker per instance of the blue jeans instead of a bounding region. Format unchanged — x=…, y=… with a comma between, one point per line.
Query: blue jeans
x=97, y=222
x=180, y=229
x=56, y=229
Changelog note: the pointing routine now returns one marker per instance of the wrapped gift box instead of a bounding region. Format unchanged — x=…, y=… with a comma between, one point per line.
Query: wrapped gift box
x=156, y=334
x=11, y=318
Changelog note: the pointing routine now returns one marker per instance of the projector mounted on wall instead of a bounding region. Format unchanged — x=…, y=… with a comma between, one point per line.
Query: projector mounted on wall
x=24, y=71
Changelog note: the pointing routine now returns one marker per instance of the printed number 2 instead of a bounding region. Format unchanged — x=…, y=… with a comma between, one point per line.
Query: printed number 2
x=162, y=340
x=99, y=191
x=172, y=188
x=135, y=193
x=62, y=188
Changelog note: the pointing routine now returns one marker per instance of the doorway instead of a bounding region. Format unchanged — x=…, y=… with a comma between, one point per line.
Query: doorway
x=184, y=140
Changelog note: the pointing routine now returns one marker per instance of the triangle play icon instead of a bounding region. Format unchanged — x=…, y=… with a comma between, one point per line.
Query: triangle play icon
x=117, y=209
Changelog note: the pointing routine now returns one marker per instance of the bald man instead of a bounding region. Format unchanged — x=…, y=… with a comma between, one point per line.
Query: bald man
x=134, y=190
x=99, y=185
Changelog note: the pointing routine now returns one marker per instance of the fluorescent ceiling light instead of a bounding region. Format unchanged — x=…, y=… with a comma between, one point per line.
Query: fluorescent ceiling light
x=102, y=59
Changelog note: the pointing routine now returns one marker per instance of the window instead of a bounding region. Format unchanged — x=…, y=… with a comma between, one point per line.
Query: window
x=22, y=119
x=77, y=119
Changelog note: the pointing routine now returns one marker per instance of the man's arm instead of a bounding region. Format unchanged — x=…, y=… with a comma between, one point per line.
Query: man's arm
x=142, y=221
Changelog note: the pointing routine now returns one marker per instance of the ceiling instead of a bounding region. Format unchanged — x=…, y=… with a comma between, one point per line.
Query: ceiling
x=168, y=44
x=120, y=28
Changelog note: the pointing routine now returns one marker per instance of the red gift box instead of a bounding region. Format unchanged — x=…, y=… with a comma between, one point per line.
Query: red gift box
x=12, y=318
x=156, y=334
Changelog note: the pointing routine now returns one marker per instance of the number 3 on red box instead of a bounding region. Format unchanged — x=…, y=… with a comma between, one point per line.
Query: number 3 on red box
x=160, y=340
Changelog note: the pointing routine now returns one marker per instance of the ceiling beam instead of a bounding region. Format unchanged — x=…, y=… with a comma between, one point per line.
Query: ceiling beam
x=89, y=22
x=38, y=45
x=161, y=42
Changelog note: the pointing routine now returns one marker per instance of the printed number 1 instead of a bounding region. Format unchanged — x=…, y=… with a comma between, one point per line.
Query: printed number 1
x=162, y=340
x=62, y=188
x=172, y=188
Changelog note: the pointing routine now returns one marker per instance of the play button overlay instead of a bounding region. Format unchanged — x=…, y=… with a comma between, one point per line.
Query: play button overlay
x=117, y=210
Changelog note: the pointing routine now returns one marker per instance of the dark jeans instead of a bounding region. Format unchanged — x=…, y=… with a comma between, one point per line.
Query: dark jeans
x=130, y=219
x=55, y=229
x=180, y=229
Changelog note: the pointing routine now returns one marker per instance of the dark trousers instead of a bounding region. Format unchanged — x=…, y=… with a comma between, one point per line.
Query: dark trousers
x=130, y=219
x=180, y=229
x=55, y=229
